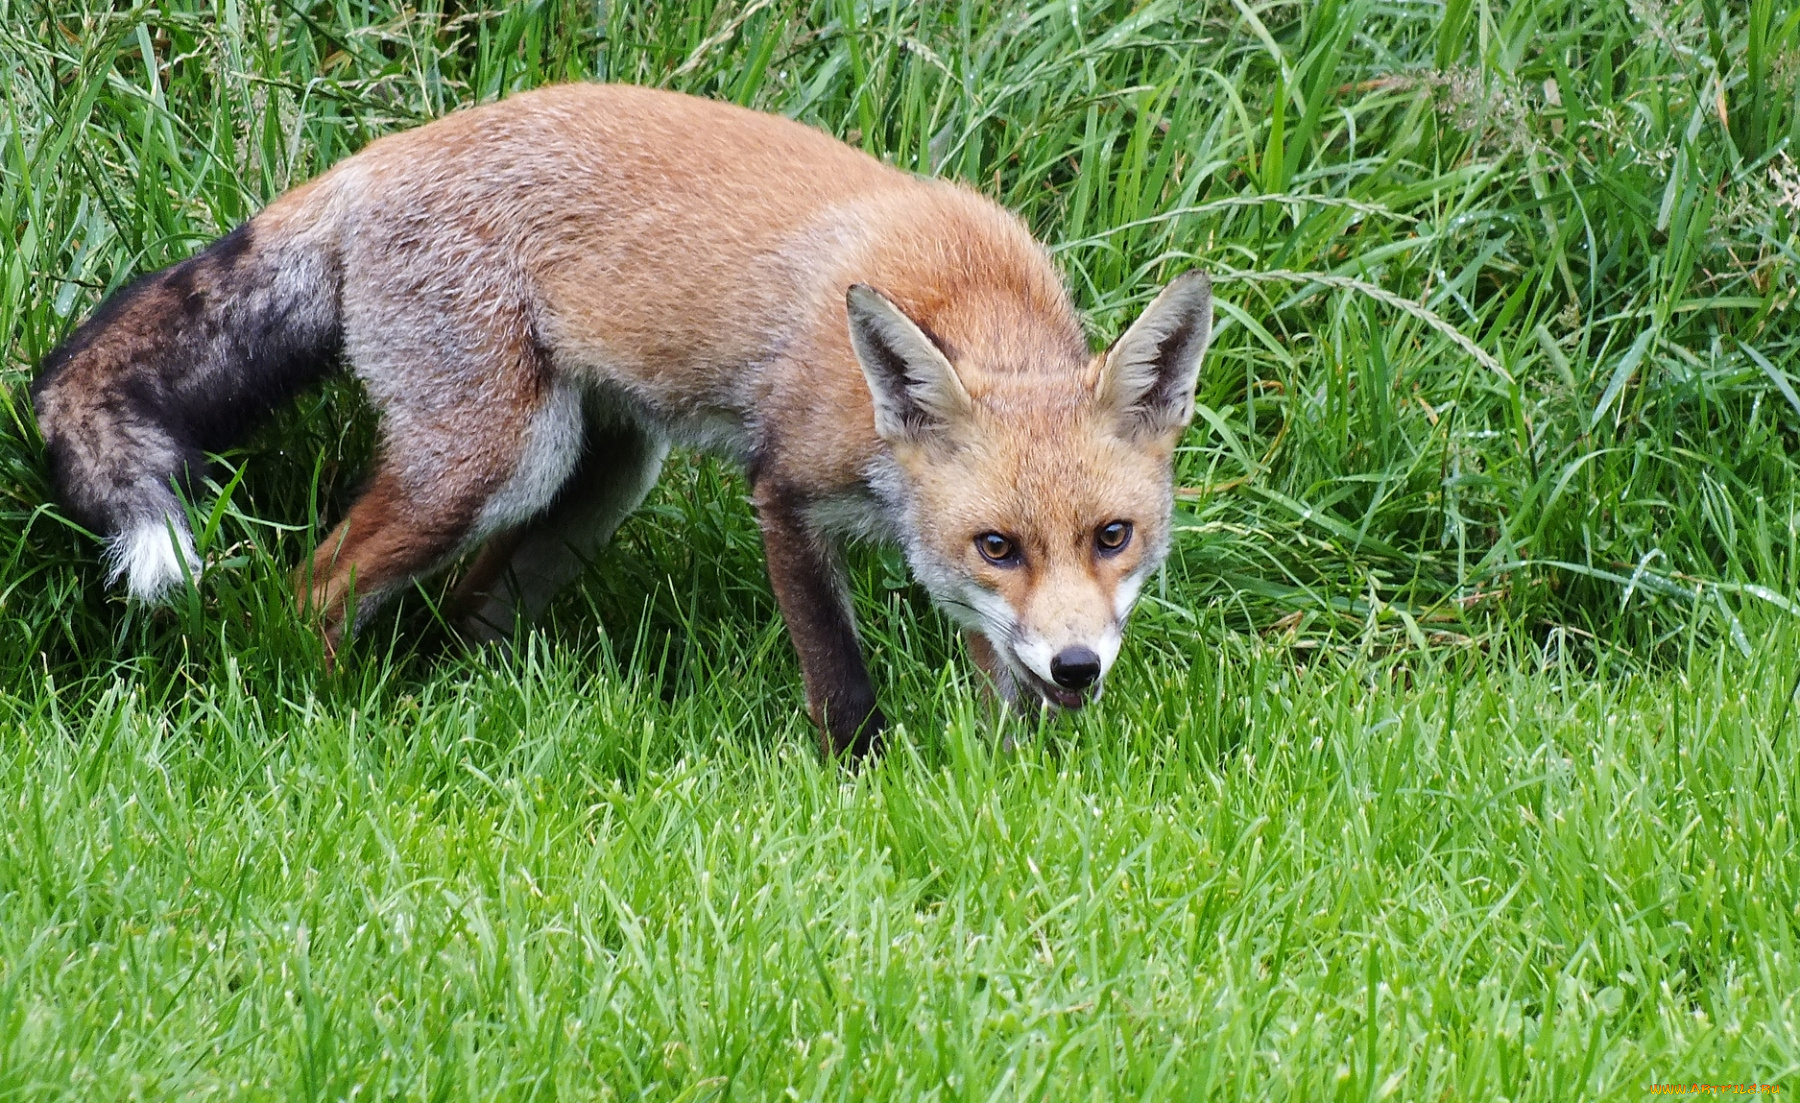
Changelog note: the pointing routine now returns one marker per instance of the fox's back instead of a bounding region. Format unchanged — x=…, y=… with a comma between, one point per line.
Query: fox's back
x=672, y=245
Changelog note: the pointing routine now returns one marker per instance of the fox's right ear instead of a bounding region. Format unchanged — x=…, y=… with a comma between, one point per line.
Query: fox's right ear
x=916, y=389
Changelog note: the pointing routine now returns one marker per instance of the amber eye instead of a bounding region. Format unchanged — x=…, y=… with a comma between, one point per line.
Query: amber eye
x=997, y=549
x=1112, y=537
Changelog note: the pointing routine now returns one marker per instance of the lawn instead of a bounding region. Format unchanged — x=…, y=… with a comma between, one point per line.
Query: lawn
x=1454, y=755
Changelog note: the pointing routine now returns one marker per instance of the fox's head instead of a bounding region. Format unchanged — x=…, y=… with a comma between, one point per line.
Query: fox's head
x=1037, y=496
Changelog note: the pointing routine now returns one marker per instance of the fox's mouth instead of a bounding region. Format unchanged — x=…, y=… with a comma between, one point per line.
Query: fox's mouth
x=1072, y=699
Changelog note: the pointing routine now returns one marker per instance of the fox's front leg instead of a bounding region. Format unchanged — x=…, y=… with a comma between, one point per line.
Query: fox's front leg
x=1000, y=680
x=803, y=571
x=1003, y=684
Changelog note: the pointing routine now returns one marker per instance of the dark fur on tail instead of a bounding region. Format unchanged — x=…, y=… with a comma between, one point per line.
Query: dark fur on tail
x=181, y=362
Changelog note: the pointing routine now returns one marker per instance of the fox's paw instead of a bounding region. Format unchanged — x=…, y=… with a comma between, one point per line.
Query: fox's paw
x=854, y=743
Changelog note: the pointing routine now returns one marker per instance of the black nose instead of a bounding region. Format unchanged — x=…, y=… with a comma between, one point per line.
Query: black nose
x=1075, y=667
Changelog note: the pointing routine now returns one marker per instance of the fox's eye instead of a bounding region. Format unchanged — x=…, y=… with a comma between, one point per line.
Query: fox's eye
x=997, y=549
x=1113, y=536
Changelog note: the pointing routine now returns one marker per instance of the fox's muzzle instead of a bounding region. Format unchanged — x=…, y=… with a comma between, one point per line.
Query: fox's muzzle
x=1075, y=668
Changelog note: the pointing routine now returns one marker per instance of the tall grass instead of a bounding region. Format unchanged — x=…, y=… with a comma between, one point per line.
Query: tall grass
x=1451, y=756
x=1505, y=291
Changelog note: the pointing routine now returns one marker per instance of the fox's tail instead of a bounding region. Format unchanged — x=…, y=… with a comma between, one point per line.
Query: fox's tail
x=181, y=362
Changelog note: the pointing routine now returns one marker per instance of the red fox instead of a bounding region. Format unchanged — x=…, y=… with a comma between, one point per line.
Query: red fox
x=542, y=294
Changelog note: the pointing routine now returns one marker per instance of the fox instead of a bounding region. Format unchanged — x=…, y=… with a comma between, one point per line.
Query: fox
x=542, y=295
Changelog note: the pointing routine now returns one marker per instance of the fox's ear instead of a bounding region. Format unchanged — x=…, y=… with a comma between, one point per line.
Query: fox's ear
x=1148, y=376
x=916, y=390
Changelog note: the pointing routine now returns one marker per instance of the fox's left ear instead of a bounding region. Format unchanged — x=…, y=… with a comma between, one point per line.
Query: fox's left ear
x=1148, y=376
x=916, y=390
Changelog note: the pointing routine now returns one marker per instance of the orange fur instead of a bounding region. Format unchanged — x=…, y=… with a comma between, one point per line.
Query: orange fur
x=540, y=294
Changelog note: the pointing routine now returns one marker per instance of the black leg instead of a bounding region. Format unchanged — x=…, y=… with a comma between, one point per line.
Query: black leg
x=804, y=573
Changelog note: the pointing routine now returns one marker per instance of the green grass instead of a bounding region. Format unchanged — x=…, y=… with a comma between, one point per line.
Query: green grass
x=1453, y=757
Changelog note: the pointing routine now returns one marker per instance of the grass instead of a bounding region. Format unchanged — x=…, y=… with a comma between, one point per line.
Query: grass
x=1452, y=757
x=1497, y=881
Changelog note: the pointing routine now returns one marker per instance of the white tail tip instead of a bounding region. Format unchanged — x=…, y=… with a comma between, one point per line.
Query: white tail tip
x=151, y=560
